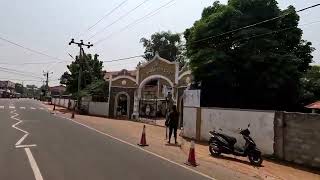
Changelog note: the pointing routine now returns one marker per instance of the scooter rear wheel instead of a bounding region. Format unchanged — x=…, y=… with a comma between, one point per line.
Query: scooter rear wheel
x=213, y=151
x=255, y=159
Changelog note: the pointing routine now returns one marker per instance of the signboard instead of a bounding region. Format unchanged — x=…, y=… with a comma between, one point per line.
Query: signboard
x=191, y=98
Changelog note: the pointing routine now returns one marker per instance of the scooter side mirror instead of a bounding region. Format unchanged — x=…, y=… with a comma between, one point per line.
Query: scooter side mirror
x=249, y=125
x=220, y=129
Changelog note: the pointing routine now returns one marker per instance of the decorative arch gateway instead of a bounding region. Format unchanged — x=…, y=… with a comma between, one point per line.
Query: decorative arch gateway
x=156, y=79
x=146, y=87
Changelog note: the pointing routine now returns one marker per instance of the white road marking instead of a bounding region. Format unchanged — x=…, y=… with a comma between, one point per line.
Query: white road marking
x=23, y=137
x=34, y=166
x=41, y=108
x=135, y=146
x=26, y=146
x=14, y=126
x=22, y=107
x=12, y=107
x=1, y=107
x=32, y=161
x=32, y=108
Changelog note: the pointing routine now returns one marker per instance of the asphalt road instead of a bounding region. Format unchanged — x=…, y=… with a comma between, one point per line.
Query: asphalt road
x=67, y=151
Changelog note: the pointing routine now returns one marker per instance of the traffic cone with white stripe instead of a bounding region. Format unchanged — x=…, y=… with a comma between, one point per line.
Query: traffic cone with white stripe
x=192, y=156
x=143, y=140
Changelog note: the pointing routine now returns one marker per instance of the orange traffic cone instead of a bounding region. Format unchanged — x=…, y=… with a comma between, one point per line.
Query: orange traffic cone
x=192, y=156
x=143, y=141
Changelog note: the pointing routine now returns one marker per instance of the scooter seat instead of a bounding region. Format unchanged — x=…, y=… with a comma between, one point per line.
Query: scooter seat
x=230, y=139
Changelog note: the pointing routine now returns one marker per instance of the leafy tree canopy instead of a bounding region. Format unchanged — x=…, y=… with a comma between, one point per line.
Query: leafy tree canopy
x=311, y=85
x=99, y=90
x=167, y=44
x=19, y=88
x=91, y=72
x=257, y=67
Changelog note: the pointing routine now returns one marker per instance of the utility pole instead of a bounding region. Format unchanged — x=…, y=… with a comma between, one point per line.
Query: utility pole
x=46, y=75
x=81, y=57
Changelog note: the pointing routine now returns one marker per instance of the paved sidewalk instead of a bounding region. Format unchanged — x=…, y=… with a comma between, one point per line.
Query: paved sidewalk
x=225, y=167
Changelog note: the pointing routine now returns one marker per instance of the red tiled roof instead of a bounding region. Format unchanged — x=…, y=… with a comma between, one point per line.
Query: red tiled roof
x=315, y=105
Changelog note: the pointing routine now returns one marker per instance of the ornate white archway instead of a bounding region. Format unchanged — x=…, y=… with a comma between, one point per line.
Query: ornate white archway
x=141, y=85
x=116, y=103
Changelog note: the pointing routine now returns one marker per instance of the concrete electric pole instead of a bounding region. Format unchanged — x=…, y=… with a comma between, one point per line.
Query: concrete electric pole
x=81, y=58
x=46, y=75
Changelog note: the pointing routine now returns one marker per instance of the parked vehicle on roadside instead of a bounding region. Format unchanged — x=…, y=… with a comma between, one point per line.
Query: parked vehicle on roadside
x=221, y=143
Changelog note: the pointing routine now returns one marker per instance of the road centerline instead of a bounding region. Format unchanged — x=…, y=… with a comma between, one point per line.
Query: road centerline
x=33, y=164
x=32, y=161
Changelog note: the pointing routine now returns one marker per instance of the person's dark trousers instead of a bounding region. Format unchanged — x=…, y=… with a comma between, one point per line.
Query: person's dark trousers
x=174, y=130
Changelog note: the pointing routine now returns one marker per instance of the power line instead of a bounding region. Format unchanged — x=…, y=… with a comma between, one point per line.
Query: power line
x=281, y=30
x=122, y=59
x=18, y=73
x=238, y=29
x=117, y=20
x=149, y=15
x=228, y=32
x=247, y=38
x=106, y=15
x=8, y=69
x=32, y=63
x=29, y=49
x=21, y=80
x=252, y=25
x=308, y=7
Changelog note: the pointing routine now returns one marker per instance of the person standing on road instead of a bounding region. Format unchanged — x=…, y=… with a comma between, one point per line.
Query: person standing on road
x=173, y=123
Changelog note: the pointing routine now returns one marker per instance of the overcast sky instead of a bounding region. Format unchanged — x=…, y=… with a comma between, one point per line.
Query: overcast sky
x=48, y=26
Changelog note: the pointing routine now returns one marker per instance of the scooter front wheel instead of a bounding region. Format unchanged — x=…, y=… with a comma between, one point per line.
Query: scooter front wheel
x=214, y=151
x=255, y=159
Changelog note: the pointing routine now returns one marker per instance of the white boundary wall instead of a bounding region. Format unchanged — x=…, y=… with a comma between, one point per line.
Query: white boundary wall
x=230, y=120
x=189, y=122
x=261, y=126
x=95, y=108
x=99, y=108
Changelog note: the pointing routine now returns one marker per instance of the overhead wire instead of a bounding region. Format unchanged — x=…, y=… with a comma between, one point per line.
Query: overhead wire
x=30, y=80
x=247, y=38
x=147, y=16
x=103, y=17
x=29, y=49
x=241, y=28
x=31, y=63
x=126, y=58
x=252, y=25
x=117, y=20
x=18, y=73
x=313, y=6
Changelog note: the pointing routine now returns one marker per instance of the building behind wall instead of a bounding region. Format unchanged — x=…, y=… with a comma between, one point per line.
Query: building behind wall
x=142, y=92
x=7, y=88
x=57, y=90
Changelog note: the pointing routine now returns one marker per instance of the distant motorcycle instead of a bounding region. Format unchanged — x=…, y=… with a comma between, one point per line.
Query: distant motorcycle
x=221, y=143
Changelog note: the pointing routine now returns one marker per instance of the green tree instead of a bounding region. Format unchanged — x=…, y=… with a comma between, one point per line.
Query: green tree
x=258, y=67
x=311, y=86
x=19, y=88
x=99, y=90
x=32, y=91
x=91, y=72
x=167, y=44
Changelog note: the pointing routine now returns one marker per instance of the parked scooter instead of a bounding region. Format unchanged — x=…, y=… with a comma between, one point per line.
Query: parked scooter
x=221, y=143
